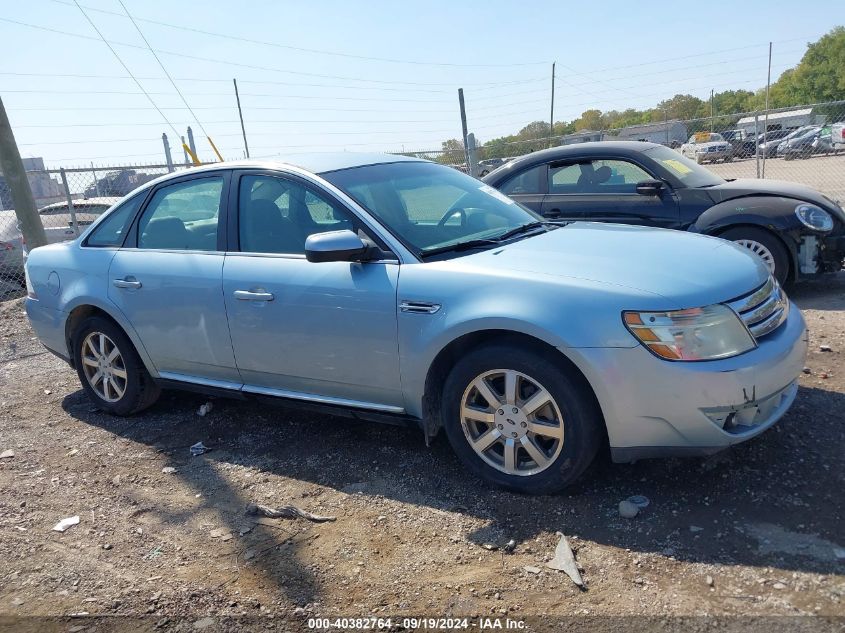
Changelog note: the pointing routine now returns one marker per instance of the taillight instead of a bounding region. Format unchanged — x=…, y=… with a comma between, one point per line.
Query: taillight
x=6, y=246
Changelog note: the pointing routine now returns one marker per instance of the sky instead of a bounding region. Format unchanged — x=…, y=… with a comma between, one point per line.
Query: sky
x=329, y=75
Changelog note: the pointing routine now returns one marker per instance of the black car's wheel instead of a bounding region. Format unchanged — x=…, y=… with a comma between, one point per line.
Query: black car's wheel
x=765, y=245
x=109, y=368
x=519, y=420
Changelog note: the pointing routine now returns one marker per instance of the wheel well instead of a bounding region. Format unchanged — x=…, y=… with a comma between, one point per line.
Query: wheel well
x=449, y=355
x=790, y=251
x=77, y=316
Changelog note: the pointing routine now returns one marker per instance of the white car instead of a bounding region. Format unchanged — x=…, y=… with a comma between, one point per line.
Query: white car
x=707, y=146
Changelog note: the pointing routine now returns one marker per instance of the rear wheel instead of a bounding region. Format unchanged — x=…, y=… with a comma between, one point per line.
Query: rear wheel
x=764, y=245
x=109, y=368
x=520, y=421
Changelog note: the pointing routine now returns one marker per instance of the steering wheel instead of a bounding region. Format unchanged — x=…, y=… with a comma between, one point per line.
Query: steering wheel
x=450, y=214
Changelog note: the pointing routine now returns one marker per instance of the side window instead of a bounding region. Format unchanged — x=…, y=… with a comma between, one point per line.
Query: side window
x=598, y=176
x=276, y=215
x=527, y=182
x=182, y=216
x=112, y=230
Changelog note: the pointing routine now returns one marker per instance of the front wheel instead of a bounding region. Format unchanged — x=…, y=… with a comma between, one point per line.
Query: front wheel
x=109, y=368
x=764, y=245
x=519, y=420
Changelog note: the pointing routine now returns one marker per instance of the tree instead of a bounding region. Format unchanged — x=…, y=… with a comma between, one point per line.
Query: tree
x=820, y=76
x=453, y=152
x=683, y=107
x=589, y=120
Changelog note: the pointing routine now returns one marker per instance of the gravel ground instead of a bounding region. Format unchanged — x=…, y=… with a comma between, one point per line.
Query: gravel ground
x=164, y=540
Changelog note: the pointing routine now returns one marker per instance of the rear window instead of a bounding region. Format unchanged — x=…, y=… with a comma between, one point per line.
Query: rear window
x=112, y=230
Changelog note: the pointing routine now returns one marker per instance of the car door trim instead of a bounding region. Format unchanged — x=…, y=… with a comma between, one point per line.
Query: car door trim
x=278, y=393
x=310, y=397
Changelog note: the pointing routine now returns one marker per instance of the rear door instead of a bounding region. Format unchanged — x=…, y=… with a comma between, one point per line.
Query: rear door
x=167, y=279
x=604, y=190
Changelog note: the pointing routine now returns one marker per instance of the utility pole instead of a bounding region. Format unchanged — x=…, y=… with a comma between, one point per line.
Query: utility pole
x=191, y=144
x=552, y=113
x=464, y=129
x=167, y=157
x=12, y=167
x=711, y=109
x=766, y=115
x=241, y=115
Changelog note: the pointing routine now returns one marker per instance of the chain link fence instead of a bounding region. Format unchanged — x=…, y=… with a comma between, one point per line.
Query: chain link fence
x=68, y=201
x=803, y=144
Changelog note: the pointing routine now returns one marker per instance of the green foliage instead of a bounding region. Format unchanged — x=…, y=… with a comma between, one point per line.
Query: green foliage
x=819, y=77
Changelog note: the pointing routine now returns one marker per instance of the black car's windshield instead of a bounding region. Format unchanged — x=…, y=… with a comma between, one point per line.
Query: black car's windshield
x=688, y=172
x=432, y=207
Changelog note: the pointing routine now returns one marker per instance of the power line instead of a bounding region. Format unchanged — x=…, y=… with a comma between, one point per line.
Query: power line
x=126, y=68
x=314, y=50
x=241, y=65
x=173, y=83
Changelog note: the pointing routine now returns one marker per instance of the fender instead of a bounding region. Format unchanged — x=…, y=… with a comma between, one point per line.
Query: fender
x=775, y=213
x=117, y=315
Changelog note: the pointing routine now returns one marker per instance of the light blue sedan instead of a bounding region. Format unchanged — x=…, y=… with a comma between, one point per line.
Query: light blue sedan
x=396, y=289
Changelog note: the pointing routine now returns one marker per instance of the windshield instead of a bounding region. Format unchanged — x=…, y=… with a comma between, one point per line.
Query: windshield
x=430, y=206
x=688, y=172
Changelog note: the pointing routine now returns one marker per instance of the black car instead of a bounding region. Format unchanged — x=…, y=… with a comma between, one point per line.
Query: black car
x=748, y=146
x=796, y=230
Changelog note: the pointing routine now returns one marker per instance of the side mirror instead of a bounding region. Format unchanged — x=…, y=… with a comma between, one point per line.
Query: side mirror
x=650, y=187
x=335, y=246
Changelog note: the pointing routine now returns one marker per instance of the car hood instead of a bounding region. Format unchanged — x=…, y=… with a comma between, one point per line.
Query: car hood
x=672, y=269
x=764, y=187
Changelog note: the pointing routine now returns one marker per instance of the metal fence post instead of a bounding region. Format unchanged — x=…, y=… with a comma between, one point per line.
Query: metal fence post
x=185, y=152
x=167, y=156
x=96, y=182
x=70, y=208
x=472, y=152
x=191, y=141
x=757, y=141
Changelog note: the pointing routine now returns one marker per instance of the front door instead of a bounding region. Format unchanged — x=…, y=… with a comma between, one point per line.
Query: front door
x=167, y=281
x=319, y=331
x=604, y=190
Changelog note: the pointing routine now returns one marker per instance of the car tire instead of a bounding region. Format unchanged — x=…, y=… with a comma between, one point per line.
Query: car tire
x=110, y=370
x=569, y=422
x=766, y=245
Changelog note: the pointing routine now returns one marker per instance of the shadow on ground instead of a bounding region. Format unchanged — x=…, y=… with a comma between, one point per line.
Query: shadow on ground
x=775, y=501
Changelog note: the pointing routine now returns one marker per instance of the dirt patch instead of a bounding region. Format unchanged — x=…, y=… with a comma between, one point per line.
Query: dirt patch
x=165, y=536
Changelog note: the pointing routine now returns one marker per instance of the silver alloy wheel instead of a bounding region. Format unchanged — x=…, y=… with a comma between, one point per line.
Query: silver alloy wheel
x=512, y=422
x=761, y=251
x=103, y=366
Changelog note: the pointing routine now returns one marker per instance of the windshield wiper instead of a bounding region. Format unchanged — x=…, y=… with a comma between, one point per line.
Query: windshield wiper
x=460, y=246
x=524, y=228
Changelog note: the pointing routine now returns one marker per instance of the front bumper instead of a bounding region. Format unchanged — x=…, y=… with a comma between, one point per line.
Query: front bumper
x=832, y=253
x=656, y=408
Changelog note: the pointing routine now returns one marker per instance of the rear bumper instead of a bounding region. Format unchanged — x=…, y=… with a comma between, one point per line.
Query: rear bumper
x=655, y=408
x=49, y=326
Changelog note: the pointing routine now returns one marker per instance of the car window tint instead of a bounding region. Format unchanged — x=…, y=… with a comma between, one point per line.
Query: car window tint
x=276, y=215
x=112, y=229
x=527, y=182
x=597, y=176
x=182, y=216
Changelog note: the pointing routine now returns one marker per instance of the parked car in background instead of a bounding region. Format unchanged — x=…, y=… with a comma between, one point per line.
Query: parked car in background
x=737, y=139
x=489, y=164
x=837, y=136
x=707, y=147
x=58, y=227
x=759, y=144
x=361, y=285
x=815, y=140
x=772, y=148
x=797, y=231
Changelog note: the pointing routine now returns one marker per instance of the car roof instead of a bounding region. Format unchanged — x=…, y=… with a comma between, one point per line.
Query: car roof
x=591, y=149
x=316, y=163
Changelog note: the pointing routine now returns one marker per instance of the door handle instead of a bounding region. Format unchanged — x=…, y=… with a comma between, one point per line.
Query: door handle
x=127, y=283
x=247, y=295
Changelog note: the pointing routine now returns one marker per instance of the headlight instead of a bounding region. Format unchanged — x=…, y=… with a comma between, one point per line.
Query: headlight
x=696, y=334
x=814, y=217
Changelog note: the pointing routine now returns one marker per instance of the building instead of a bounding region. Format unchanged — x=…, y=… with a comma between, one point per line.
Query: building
x=671, y=133
x=45, y=189
x=784, y=120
